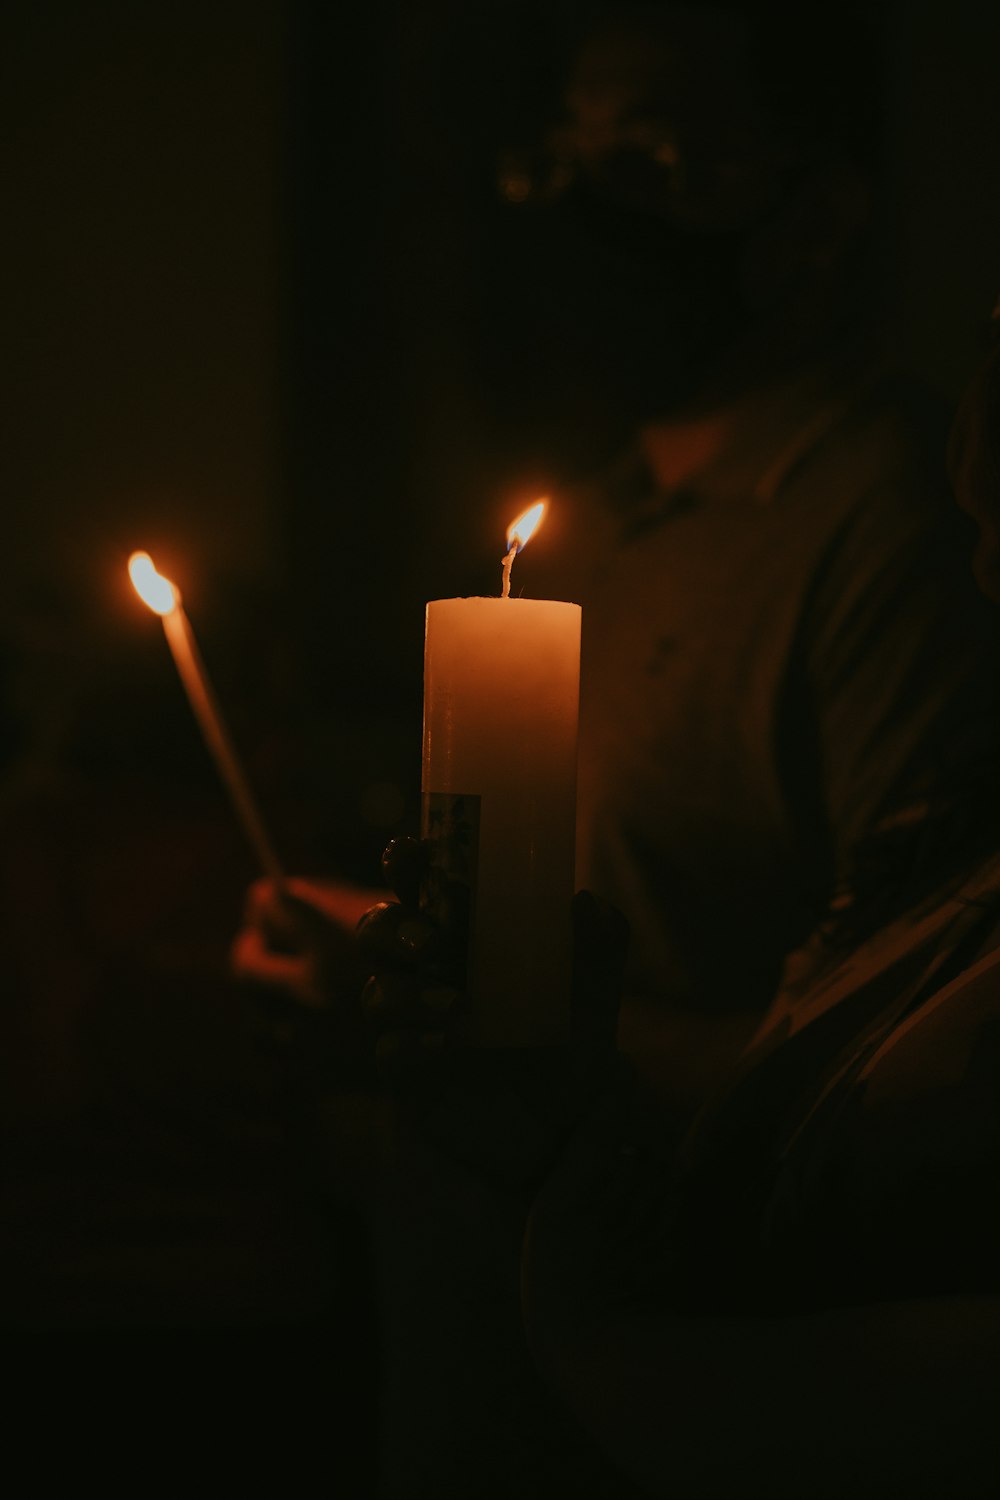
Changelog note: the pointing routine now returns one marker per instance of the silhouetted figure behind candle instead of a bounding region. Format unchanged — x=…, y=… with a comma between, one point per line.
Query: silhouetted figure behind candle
x=804, y=1296
x=785, y=661
x=778, y=612
x=788, y=725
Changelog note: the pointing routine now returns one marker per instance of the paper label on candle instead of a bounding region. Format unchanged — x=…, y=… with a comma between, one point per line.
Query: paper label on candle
x=450, y=830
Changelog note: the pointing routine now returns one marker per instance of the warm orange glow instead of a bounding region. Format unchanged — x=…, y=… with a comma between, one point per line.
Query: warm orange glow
x=524, y=528
x=153, y=589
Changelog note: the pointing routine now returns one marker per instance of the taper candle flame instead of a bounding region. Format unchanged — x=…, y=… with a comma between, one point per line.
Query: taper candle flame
x=519, y=533
x=153, y=589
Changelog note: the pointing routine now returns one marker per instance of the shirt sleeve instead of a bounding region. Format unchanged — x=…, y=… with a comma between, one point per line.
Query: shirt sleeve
x=899, y=659
x=890, y=1190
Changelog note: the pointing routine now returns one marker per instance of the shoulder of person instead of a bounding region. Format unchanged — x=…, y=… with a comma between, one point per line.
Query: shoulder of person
x=877, y=448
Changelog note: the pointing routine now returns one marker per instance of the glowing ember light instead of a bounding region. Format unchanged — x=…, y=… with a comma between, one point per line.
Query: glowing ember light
x=153, y=589
x=519, y=533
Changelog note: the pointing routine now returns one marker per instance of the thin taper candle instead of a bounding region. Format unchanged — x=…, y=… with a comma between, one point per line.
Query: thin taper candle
x=164, y=599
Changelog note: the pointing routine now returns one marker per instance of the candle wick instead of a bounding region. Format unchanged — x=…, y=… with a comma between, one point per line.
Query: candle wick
x=506, y=567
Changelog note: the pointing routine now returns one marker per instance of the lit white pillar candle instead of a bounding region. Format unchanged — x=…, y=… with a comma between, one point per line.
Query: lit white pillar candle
x=501, y=701
x=163, y=598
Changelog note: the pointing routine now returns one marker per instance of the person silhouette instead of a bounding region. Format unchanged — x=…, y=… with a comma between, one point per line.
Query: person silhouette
x=779, y=614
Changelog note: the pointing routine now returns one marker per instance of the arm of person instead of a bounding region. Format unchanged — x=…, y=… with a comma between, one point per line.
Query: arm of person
x=865, y=1399
x=856, y=1400
x=680, y=1056
x=899, y=656
x=889, y=1387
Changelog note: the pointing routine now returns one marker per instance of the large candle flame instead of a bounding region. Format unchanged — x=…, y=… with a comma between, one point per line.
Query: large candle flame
x=153, y=589
x=523, y=529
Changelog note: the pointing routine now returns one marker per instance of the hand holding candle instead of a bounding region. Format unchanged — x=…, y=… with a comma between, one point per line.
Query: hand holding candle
x=164, y=599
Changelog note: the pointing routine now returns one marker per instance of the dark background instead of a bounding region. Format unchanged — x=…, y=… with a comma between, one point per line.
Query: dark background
x=247, y=255
x=249, y=252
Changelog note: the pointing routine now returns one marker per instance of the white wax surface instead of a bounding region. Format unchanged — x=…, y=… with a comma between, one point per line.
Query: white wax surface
x=501, y=702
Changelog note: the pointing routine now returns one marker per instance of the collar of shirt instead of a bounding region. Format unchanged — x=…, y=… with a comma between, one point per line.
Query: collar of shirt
x=745, y=452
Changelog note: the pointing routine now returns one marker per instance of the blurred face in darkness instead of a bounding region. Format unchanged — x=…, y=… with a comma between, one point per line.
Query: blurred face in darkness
x=670, y=164
x=680, y=242
x=666, y=198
